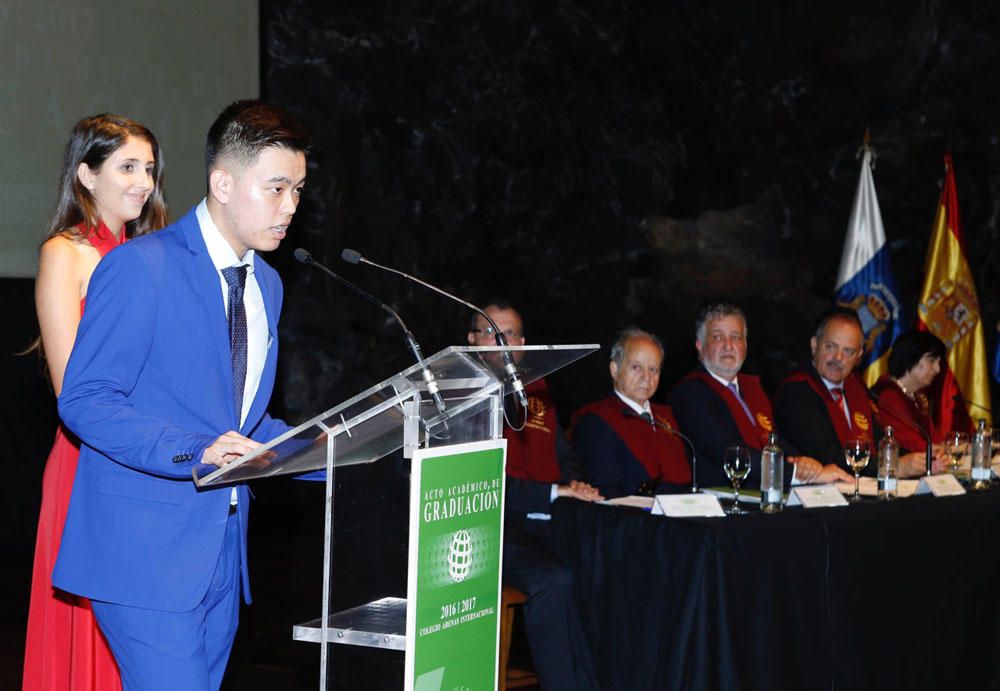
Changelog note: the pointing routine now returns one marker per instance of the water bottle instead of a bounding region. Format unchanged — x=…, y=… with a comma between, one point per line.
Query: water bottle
x=772, y=476
x=888, y=465
x=982, y=442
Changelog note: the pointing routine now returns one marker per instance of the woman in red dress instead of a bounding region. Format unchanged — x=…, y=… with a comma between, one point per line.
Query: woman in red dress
x=109, y=190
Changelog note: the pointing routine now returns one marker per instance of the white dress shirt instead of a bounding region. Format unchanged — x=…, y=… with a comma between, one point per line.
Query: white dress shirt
x=735, y=381
x=223, y=256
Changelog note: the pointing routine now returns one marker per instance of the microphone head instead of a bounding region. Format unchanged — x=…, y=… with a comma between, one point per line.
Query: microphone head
x=350, y=256
x=303, y=255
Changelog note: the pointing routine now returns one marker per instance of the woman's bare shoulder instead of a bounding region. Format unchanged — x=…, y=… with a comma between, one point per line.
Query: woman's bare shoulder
x=64, y=247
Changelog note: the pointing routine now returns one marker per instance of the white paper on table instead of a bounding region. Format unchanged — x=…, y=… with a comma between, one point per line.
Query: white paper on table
x=868, y=487
x=944, y=485
x=814, y=496
x=906, y=488
x=633, y=501
x=683, y=505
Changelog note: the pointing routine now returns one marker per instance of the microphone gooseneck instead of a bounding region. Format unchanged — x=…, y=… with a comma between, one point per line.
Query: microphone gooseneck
x=354, y=257
x=432, y=386
x=959, y=398
x=912, y=424
x=628, y=412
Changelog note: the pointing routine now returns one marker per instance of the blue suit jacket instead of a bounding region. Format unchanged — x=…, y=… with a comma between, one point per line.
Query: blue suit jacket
x=148, y=387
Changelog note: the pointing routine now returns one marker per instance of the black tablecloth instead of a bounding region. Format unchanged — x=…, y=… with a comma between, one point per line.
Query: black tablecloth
x=896, y=595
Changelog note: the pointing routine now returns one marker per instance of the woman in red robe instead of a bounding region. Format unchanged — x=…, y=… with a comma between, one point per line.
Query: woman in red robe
x=902, y=403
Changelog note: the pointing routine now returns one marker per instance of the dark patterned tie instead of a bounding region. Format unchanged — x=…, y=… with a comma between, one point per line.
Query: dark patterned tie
x=648, y=417
x=236, y=277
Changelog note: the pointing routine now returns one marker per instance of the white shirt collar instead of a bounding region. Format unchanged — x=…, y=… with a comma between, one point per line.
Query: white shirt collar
x=219, y=249
x=722, y=381
x=634, y=405
x=830, y=386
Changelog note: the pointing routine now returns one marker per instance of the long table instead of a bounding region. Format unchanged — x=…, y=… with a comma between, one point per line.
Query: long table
x=895, y=595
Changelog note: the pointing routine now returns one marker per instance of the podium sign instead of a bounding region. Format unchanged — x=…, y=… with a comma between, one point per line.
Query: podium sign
x=453, y=580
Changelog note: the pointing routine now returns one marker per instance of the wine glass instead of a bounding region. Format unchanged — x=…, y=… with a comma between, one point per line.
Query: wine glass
x=955, y=445
x=736, y=463
x=857, y=452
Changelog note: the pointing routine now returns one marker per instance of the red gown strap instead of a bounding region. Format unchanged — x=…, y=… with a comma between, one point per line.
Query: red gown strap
x=102, y=239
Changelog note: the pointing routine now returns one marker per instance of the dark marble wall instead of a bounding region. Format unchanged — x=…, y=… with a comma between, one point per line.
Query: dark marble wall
x=610, y=163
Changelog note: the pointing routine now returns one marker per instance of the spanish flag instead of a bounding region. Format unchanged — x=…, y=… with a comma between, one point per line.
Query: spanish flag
x=949, y=309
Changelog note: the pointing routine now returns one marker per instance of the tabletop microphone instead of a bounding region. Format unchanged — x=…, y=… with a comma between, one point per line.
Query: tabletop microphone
x=432, y=386
x=959, y=398
x=628, y=412
x=912, y=424
x=354, y=257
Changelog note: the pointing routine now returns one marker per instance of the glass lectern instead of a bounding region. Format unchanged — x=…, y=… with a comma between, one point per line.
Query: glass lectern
x=396, y=413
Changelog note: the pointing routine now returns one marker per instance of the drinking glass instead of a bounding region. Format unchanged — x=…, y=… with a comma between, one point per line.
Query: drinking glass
x=736, y=463
x=955, y=445
x=857, y=453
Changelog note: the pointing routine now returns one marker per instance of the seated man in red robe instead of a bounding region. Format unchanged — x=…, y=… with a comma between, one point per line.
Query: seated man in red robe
x=626, y=442
x=718, y=405
x=541, y=467
x=823, y=407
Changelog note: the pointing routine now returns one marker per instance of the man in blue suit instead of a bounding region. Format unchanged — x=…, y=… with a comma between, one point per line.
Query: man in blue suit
x=173, y=366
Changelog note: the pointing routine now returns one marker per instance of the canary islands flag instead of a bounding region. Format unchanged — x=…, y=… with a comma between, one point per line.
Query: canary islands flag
x=864, y=281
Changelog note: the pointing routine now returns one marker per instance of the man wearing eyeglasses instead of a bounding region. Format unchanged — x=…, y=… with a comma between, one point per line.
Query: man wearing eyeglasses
x=824, y=406
x=541, y=467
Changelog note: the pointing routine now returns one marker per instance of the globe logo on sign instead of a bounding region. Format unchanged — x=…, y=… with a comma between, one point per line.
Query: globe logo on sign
x=460, y=556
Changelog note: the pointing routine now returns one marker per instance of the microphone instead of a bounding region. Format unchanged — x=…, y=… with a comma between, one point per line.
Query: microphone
x=912, y=424
x=959, y=398
x=353, y=257
x=628, y=412
x=432, y=385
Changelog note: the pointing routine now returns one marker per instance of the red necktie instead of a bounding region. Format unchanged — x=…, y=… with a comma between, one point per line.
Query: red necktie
x=838, y=396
